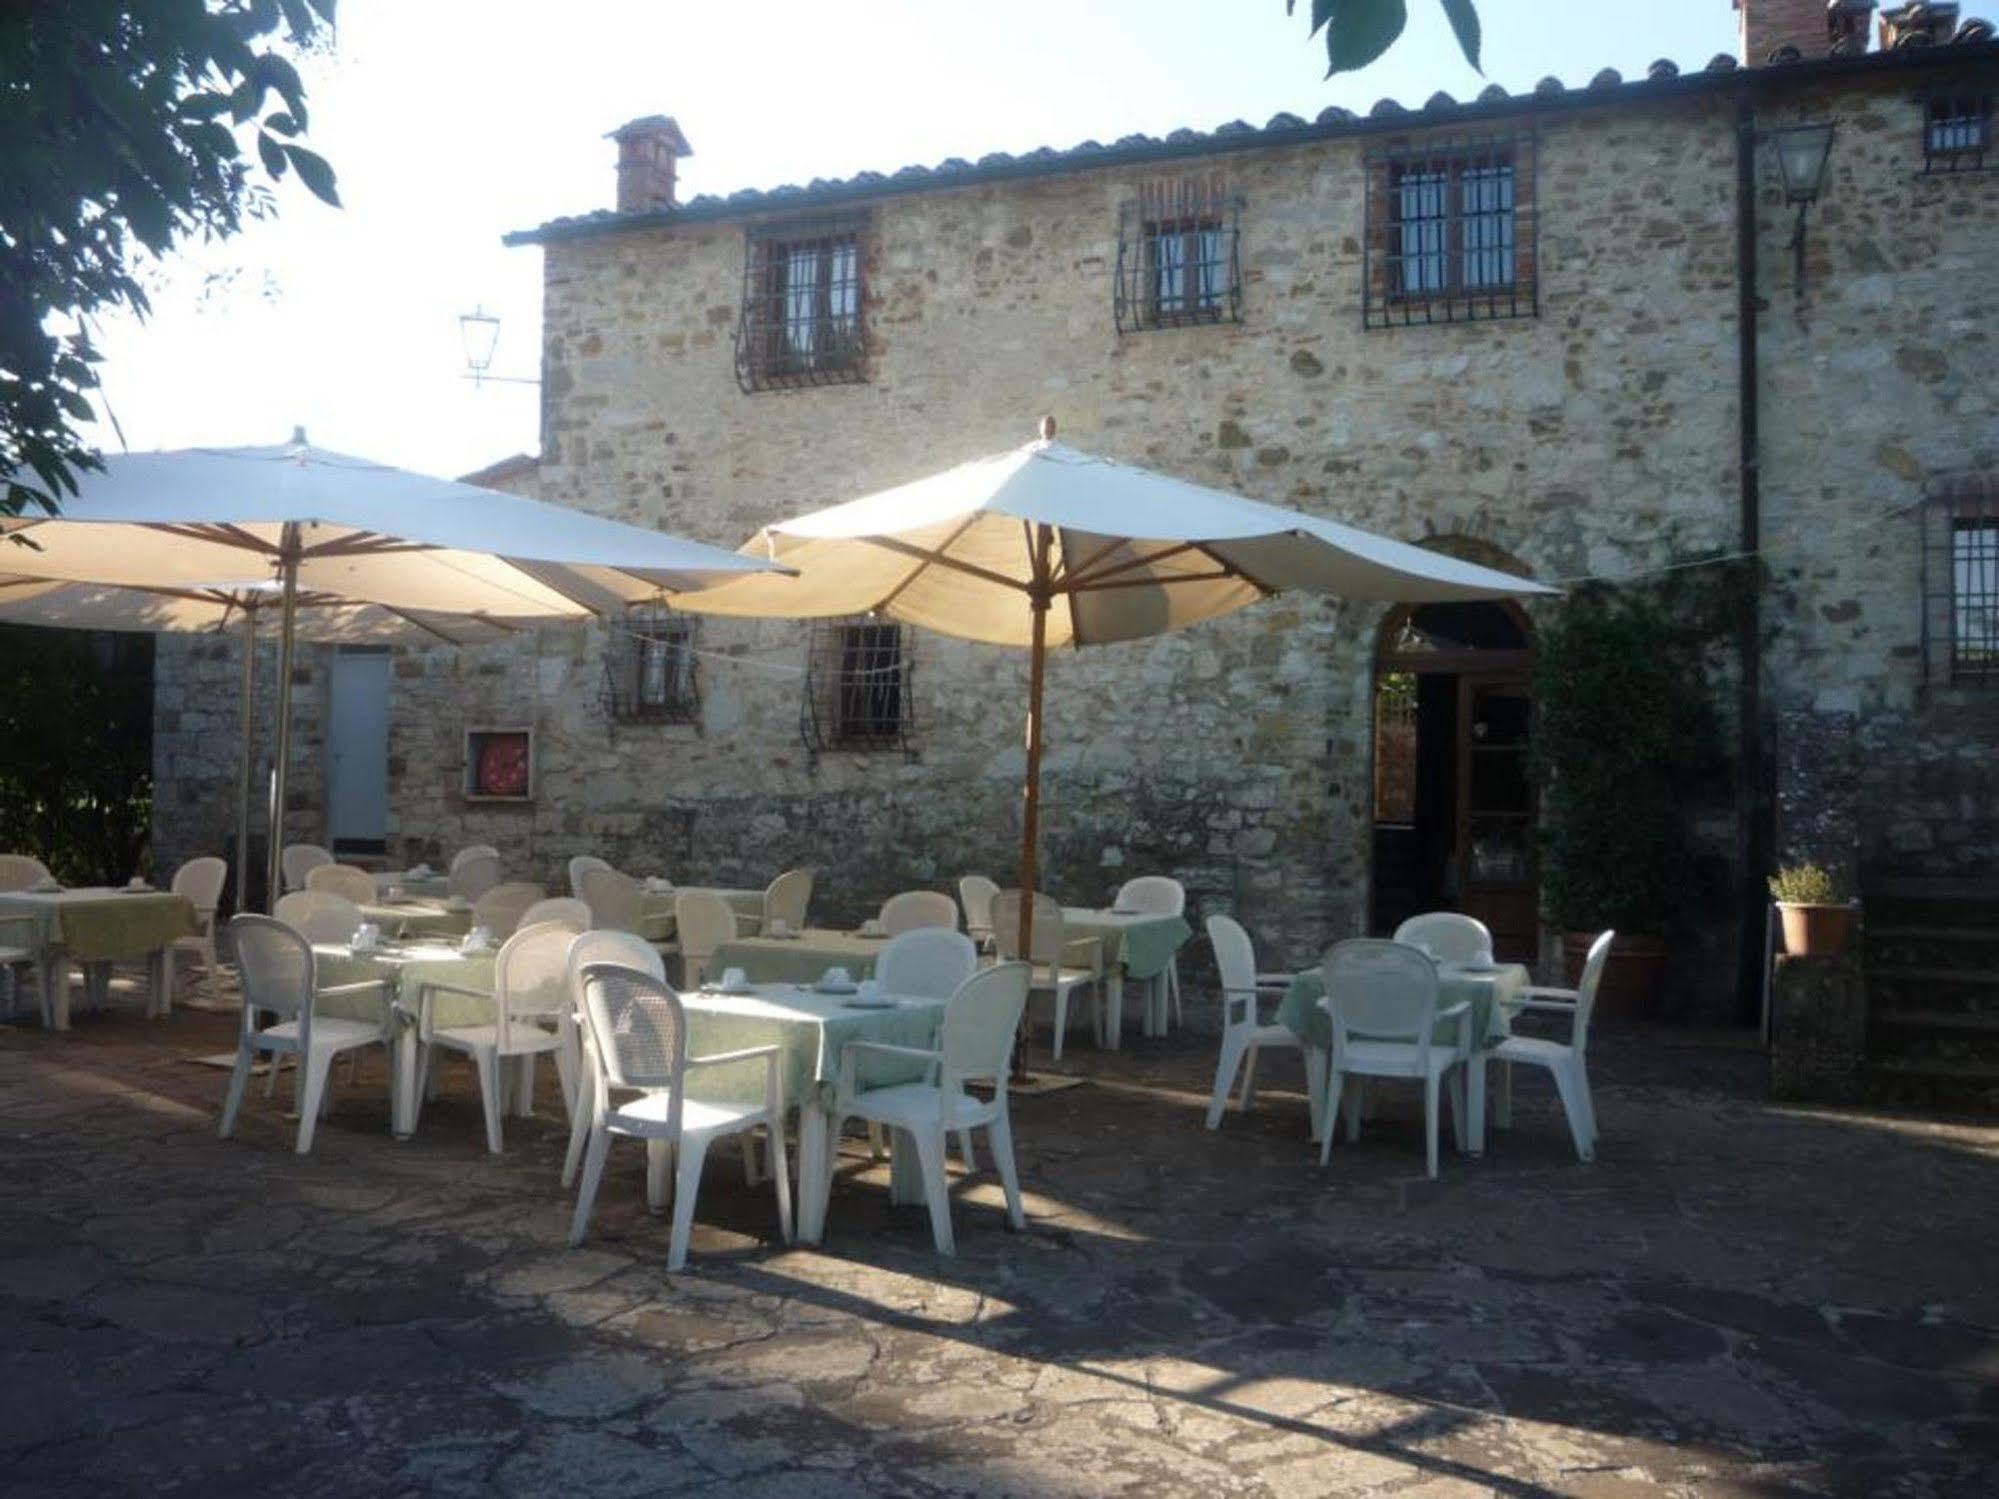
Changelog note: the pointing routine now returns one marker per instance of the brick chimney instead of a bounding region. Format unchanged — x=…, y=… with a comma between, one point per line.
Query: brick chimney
x=647, y=152
x=1917, y=26
x=1806, y=28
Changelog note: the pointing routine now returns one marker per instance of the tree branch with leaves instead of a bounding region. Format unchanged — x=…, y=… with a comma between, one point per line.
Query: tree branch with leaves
x=126, y=129
x=1359, y=31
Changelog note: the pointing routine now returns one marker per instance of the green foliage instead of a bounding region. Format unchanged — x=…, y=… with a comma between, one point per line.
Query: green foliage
x=123, y=131
x=1359, y=31
x=76, y=737
x=1804, y=885
x=1630, y=738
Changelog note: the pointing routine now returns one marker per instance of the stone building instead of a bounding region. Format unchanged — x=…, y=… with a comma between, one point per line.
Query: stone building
x=1509, y=327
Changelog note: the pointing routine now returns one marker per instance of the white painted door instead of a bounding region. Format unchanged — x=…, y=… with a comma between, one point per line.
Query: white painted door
x=357, y=736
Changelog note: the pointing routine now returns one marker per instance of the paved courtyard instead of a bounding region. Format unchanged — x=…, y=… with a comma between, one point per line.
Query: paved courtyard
x=1735, y=1299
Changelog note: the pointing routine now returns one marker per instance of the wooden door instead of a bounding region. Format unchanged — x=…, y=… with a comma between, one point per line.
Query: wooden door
x=1495, y=842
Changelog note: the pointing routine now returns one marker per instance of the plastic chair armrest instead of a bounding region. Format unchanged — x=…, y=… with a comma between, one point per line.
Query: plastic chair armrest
x=1540, y=991
x=31, y=923
x=850, y=1055
x=355, y=988
x=439, y=987
x=1275, y=980
x=722, y=1058
x=1557, y=1006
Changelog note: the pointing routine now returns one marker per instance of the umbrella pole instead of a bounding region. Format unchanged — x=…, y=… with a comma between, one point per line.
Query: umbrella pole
x=248, y=729
x=1030, y=822
x=288, y=568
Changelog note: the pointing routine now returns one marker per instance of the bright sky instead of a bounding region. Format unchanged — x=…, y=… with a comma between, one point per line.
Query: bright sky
x=452, y=121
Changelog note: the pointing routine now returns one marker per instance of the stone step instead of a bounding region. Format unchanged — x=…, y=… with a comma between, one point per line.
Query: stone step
x=1932, y=1084
x=1947, y=1038
x=1911, y=946
x=1956, y=1021
x=1945, y=903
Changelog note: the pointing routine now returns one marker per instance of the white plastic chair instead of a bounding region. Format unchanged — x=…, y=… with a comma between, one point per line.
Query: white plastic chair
x=20, y=948
x=1244, y=1036
x=199, y=882
x=613, y=898
x=1566, y=1061
x=1448, y=936
x=788, y=898
x=530, y=991
x=348, y=881
x=918, y=908
x=974, y=1044
x=1060, y=967
x=639, y=1046
x=22, y=872
x=473, y=873
x=1382, y=997
x=926, y=963
x=566, y=909
x=704, y=921
x=502, y=910
x=579, y=866
x=975, y=894
x=320, y=914
x=628, y=950
x=1158, y=895
x=278, y=974
x=469, y=852
x=299, y=860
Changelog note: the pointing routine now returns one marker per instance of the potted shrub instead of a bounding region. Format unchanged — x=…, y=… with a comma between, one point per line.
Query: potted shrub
x=1629, y=741
x=1818, y=923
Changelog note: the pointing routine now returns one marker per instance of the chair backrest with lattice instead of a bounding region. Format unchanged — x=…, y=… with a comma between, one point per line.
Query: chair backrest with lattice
x=613, y=899
x=346, y=880
x=566, y=909
x=1448, y=936
x=500, y=909
x=299, y=860
x=320, y=915
x=926, y=963
x=975, y=894
x=22, y=872
x=638, y=1031
x=469, y=852
x=703, y=920
x=531, y=979
x=1156, y=894
x=1381, y=990
x=918, y=908
x=473, y=874
x=1593, y=965
x=980, y=1020
x=199, y=882
x=789, y=898
x=276, y=970
x=1047, y=927
x=579, y=866
x=1235, y=958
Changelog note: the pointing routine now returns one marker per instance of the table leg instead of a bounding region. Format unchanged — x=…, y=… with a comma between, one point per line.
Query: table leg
x=815, y=1177
x=403, y=1081
x=1475, y=1101
x=1114, y=1008
x=55, y=985
x=159, y=1001
x=1317, y=1061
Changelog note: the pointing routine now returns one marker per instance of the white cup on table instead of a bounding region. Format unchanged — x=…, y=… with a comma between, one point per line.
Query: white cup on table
x=734, y=979
x=779, y=927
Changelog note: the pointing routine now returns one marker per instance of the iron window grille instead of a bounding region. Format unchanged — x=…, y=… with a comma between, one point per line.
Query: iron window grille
x=1961, y=584
x=804, y=283
x=1957, y=132
x=1451, y=232
x=857, y=693
x=649, y=673
x=1179, y=262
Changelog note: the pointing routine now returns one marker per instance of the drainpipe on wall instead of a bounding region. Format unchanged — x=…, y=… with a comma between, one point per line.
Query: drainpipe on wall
x=1752, y=840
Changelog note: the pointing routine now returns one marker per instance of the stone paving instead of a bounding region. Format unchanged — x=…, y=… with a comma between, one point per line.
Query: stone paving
x=1737, y=1298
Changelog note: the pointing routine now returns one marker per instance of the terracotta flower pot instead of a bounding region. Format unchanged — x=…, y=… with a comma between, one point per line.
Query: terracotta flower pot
x=1633, y=978
x=1816, y=931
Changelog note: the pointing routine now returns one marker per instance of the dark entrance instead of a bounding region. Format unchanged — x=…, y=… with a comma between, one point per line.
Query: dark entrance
x=1453, y=796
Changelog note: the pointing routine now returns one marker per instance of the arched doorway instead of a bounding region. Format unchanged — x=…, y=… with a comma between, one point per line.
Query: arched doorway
x=1453, y=790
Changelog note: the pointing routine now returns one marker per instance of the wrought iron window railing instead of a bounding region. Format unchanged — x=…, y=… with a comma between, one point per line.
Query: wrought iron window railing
x=857, y=693
x=804, y=284
x=1451, y=231
x=649, y=668
x=1957, y=132
x=1179, y=260
x=1961, y=583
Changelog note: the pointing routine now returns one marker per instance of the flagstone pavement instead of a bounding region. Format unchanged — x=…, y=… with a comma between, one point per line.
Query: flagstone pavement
x=1735, y=1299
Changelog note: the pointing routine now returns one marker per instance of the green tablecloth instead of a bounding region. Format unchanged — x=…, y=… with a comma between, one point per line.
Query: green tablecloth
x=1144, y=945
x=102, y=925
x=419, y=918
x=407, y=970
x=811, y=1028
x=798, y=960
x=1488, y=994
x=656, y=919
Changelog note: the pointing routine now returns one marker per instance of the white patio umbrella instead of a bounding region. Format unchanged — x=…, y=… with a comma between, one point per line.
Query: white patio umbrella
x=86, y=606
x=1046, y=546
x=312, y=521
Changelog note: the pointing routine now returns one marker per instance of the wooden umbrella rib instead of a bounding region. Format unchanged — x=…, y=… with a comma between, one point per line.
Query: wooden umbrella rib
x=1213, y=577
x=1064, y=571
x=367, y=544
x=1206, y=550
x=903, y=548
x=1087, y=579
x=220, y=534
x=930, y=559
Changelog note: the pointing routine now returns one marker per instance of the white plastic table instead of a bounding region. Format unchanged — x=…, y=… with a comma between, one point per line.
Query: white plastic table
x=97, y=926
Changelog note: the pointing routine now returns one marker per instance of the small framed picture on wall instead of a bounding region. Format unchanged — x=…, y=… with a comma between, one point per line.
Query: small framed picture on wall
x=499, y=765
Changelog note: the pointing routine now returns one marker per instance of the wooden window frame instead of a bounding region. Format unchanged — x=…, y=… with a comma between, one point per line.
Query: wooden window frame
x=790, y=337
x=857, y=686
x=1447, y=170
x=650, y=634
x=1204, y=220
x=1965, y=506
x=1966, y=110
